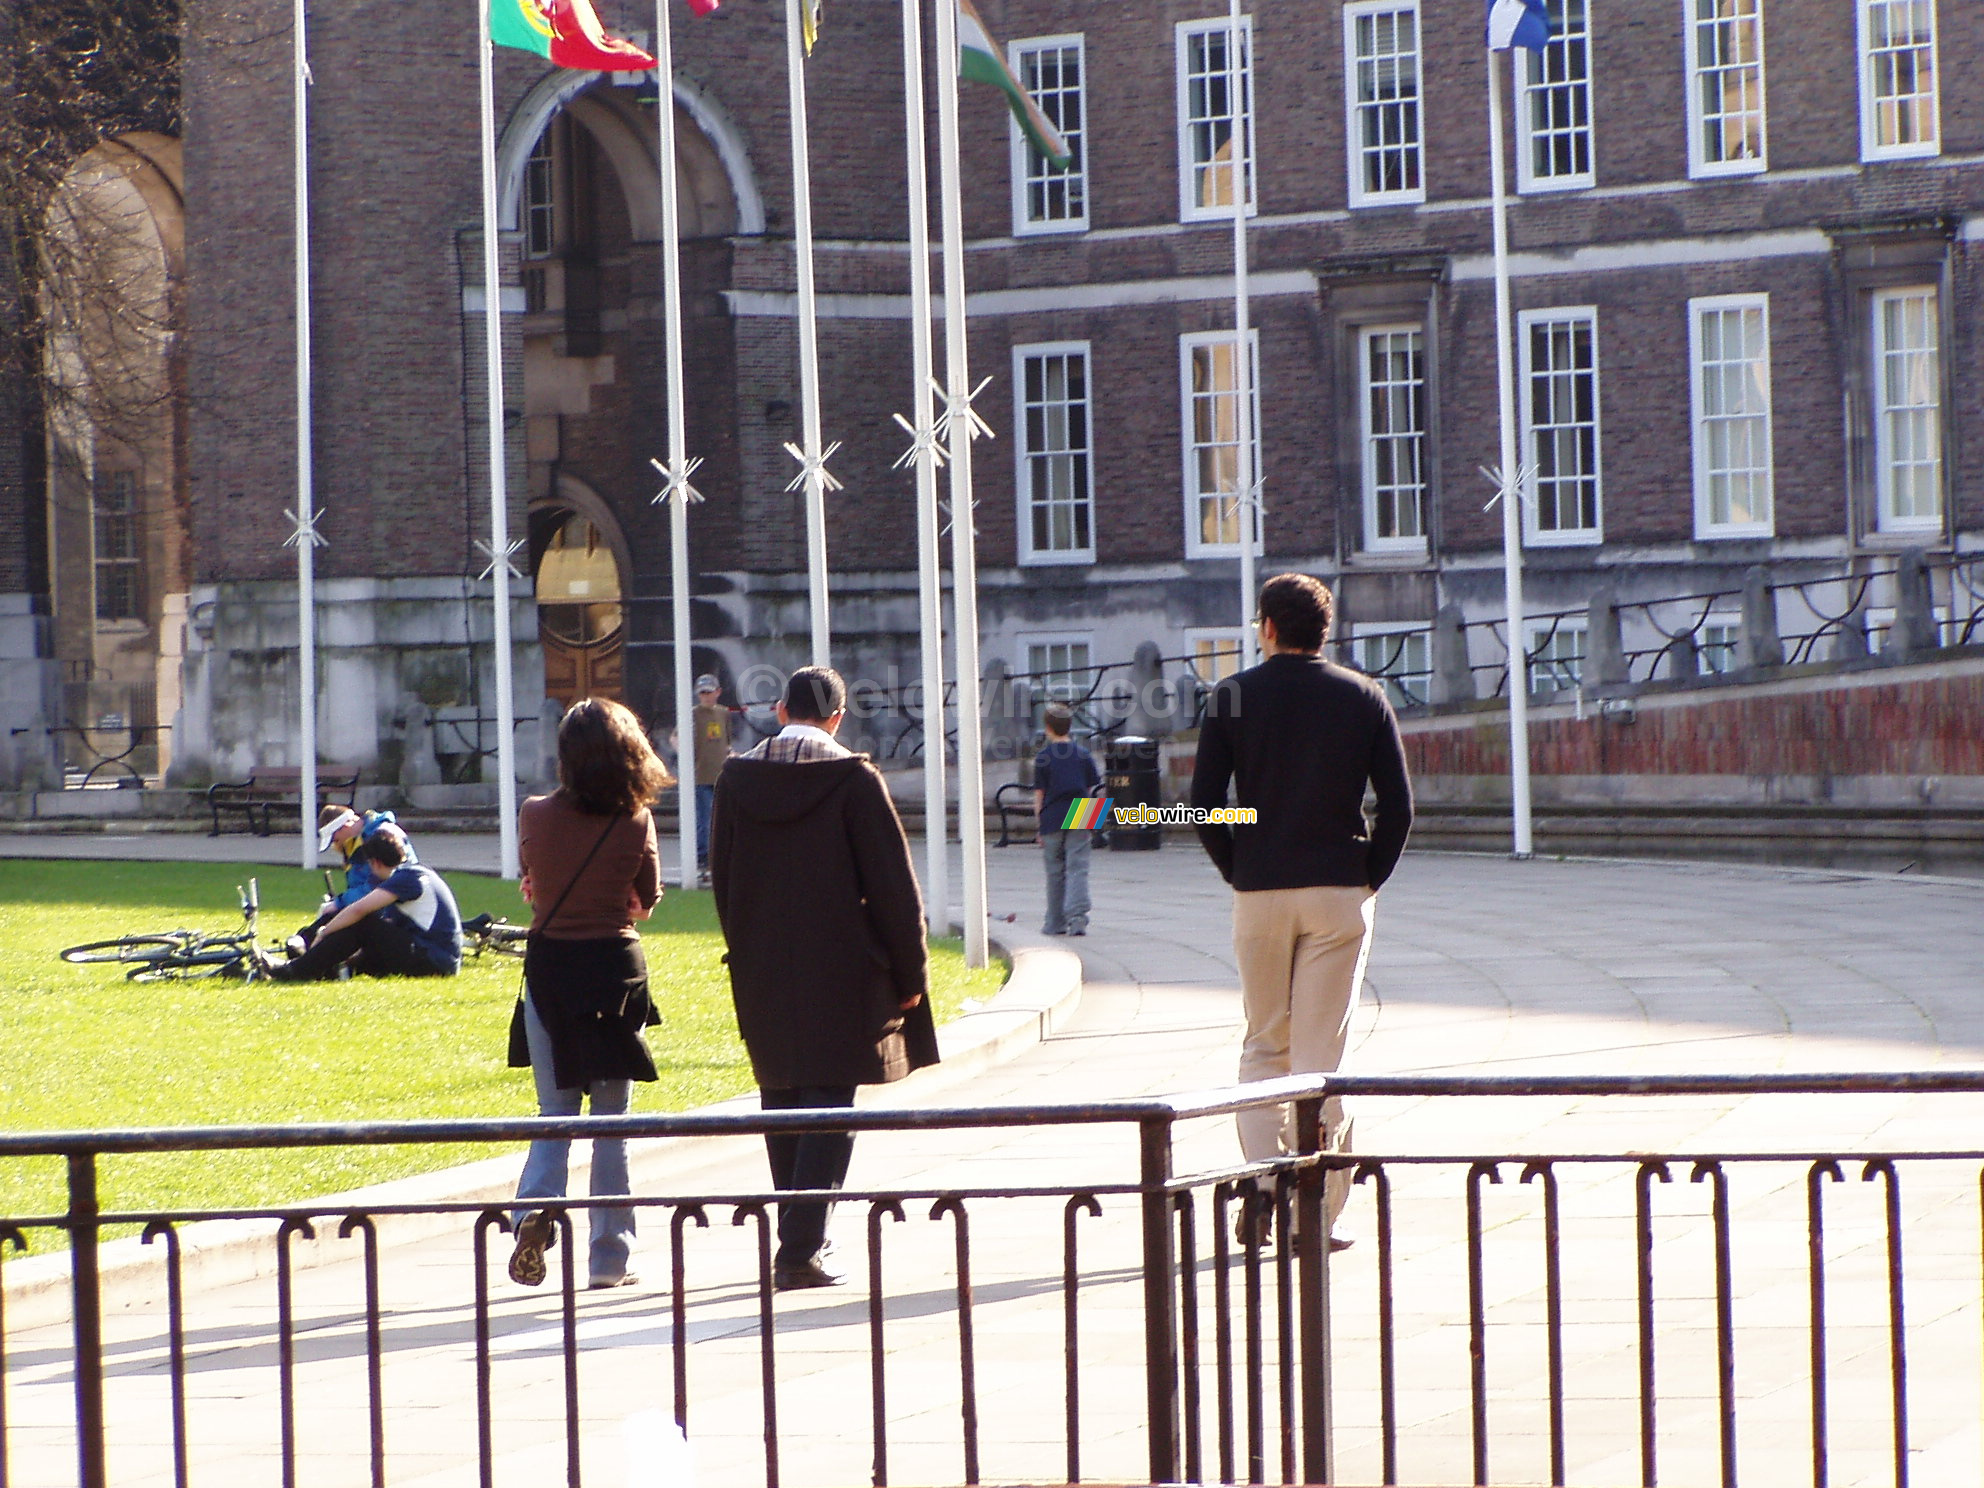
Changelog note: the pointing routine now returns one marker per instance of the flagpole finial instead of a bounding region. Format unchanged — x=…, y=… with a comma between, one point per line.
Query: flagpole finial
x=676, y=473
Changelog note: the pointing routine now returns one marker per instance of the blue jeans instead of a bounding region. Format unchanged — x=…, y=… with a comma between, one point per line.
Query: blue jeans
x=545, y=1169
x=1066, y=855
x=705, y=804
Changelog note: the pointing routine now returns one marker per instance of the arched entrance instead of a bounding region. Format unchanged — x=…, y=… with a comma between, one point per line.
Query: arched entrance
x=581, y=620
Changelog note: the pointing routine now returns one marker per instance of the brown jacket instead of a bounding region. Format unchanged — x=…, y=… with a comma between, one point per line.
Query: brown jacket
x=820, y=907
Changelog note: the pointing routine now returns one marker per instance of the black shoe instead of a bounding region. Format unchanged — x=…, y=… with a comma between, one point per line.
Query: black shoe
x=535, y=1236
x=1253, y=1227
x=788, y=1277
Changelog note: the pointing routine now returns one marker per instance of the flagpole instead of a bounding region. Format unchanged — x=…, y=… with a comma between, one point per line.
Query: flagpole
x=679, y=493
x=1248, y=510
x=1512, y=480
x=305, y=536
x=959, y=426
x=812, y=472
x=929, y=581
x=499, y=502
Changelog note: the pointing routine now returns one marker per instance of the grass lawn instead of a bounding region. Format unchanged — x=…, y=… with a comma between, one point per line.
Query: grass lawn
x=85, y=1049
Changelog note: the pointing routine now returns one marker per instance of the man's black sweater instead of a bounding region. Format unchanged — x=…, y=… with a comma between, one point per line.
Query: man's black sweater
x=1299, y=737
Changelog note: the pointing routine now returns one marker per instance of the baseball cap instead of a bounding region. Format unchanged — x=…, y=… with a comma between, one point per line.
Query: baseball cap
x=707, y=683
x=334, y=826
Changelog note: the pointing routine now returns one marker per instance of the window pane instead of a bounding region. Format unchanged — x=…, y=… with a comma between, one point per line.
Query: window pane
x=1562, y=412
x=1733, y=444
x=1556, y=102
x=1900, y=72
x=1729, y=81
x=1908, y=411
x=1053, y=75
x=1394, y=436
x=1212, y=423
x=1054, y=425
x=1385, y=50
x=1211, y=117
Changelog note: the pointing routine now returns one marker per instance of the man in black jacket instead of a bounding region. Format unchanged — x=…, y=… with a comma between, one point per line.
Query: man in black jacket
x=1300, y=738
x=824, y=922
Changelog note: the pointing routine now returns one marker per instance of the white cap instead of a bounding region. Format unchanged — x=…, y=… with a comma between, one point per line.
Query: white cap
x=332, y=827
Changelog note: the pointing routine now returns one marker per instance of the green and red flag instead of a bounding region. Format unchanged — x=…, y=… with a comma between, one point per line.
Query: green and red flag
x=981, y=61
x=565, y=32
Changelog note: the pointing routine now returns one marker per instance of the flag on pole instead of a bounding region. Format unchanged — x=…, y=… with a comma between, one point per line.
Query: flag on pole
x=704, y=7
x=1518, y=23
x=981, y=61
x=565, y=32
x=809, y=22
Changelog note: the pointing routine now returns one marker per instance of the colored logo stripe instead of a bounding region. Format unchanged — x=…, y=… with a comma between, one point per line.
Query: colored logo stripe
x=1085, y=815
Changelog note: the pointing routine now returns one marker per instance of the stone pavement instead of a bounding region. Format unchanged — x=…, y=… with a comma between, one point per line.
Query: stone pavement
x=1481, y=965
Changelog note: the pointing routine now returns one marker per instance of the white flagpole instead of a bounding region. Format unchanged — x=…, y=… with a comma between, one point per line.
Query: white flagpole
x=812, y=461
x=1511, y=478
x=679, y=493
x=964, y=558
x=499, y=501
x=929, y=581
x=1240, y=100
x=305, y=536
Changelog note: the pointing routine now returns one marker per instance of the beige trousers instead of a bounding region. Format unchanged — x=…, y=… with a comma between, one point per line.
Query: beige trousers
x=1301, y=954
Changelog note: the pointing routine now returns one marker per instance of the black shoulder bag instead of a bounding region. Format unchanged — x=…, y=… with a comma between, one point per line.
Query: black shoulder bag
x=519, y=1039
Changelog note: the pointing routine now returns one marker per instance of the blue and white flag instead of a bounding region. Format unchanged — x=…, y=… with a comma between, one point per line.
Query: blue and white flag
x=1518, y=23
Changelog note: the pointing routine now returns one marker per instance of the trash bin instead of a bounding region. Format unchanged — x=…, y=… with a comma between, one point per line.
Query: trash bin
x=1130, y=773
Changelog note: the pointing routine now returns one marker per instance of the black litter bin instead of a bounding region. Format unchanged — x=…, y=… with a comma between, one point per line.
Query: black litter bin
x=1130, y=772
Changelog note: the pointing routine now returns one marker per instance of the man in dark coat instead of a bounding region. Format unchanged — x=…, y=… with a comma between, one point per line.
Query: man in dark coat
x=829, y=970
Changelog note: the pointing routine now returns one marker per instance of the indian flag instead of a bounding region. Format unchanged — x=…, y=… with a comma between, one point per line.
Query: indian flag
x=981, y=61
x=567, y=33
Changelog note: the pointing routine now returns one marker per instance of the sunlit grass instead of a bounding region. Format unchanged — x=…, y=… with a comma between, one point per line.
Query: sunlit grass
x=86, y=1049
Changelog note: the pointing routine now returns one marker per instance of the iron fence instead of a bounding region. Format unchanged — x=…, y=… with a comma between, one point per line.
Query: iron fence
x=1567, y=1316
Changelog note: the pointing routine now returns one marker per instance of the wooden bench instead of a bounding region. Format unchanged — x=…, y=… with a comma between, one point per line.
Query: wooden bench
x=273, y=789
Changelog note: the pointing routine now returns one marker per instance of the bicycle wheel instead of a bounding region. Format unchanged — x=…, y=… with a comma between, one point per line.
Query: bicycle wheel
x=129, y=948
x=508, y=940
x=189, y=966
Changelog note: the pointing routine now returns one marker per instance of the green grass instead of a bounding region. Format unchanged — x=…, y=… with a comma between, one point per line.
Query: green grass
x=85, y=1049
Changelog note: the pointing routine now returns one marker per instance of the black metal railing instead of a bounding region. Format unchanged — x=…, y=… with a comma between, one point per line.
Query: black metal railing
x=1557, y=1316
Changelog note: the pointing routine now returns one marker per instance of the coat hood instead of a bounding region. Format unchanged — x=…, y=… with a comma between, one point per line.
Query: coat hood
x=772, y=791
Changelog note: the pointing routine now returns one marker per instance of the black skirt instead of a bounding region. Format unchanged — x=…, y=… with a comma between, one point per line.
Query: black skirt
x=592, y=997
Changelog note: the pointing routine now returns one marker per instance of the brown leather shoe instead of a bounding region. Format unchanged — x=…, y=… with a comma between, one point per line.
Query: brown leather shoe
x=807, y=1274
x=535, y=1236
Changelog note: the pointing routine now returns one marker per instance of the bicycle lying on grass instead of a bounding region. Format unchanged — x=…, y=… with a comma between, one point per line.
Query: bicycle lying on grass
x=178, y=955
x=488, y=933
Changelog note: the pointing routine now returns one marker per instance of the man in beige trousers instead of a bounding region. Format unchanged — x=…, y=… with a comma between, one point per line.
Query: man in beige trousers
x=1299, y=738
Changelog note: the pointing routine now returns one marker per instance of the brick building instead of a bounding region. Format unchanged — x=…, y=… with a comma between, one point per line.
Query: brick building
x=1747, y=245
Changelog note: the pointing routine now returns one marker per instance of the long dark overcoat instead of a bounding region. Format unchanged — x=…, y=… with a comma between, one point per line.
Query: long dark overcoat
x=824, y=921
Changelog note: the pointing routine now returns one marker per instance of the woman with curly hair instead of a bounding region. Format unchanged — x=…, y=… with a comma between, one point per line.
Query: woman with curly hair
x=591, y=870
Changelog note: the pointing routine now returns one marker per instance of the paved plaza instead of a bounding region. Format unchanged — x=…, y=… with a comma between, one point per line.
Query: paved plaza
x=1482, y=965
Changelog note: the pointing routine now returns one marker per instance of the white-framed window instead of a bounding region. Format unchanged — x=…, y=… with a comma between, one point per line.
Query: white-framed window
x=1556, y=650
x=1057, y=498
x=1726, y=119
x=1382, y=102
x=1729, y=348
x=1059, y=667
x=1899, y=116
x=1046, y=198
x=1215, y=653
x=1215, y=103
x=540, y=211
x=1554, y=110
x=1716, y=644
x=1400, y=657
x=1209, y=373
x=1560, y=424
x=1391, y=361
x=1880, y=625
x=1908, y=409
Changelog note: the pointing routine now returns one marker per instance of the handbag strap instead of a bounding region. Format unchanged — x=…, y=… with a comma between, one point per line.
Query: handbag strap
x=586, y=863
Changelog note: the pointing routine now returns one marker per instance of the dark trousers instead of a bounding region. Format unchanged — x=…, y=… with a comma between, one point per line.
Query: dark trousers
x=806, y=1160
x=375, y=946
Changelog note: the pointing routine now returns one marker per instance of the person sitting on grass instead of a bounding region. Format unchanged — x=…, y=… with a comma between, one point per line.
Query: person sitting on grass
x=342, y=828
x=407, y=926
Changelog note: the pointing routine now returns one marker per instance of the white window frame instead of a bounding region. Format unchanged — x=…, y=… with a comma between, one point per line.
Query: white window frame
x=1533, y=634
x=1706, y=528
x=1870, y=146
x=1025, y=157
x=1697, y=31
x=1187, y=343
x=1368, y=465
x=1728, y=644
x=1188, y=208
x=1533, y=64
x=1029, y=640
x=1385, y=630
x=1534, y=535
x=1886, y=519
x=1356, y=109
x=1024, y=453
x=1215, y=636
